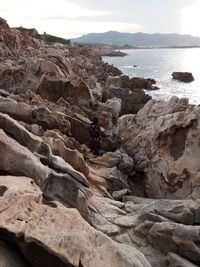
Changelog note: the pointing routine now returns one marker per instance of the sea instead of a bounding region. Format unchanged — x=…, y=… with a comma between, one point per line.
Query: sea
x=159, y=64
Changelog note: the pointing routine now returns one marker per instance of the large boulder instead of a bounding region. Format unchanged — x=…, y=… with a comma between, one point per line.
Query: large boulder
x=74, y=90
x=183, y=76
x=131, y=100
x=163, y=141
x=132, y=83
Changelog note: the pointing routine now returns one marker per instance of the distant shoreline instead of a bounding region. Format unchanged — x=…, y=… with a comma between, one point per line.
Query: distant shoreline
x=157, y=47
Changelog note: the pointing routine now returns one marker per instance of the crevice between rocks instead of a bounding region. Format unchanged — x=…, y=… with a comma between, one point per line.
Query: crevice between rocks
x=35, y=255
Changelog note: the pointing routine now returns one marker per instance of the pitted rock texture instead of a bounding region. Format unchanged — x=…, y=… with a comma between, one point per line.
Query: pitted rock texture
x=68, y=239
x=163, y=141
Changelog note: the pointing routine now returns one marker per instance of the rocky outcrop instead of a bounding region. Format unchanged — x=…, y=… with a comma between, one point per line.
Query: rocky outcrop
x=132, y=83
x=159, y=139
x=131, y=100
x=183, y=76
x=67, y=241
x=64, y=205
x=37, y=161
x=74, y=90
x=14, y=42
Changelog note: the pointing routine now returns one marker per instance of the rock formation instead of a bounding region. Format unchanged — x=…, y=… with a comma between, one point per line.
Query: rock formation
x=183, y=76
x=136, y=205
x=163, y=141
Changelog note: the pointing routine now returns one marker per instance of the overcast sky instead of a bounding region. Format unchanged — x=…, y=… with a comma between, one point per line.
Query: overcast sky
x=77, y=17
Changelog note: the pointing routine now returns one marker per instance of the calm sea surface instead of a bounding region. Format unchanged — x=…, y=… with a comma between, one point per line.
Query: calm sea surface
x=159, y=65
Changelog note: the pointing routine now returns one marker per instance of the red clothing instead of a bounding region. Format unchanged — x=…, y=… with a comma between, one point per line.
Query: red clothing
x=95, y=137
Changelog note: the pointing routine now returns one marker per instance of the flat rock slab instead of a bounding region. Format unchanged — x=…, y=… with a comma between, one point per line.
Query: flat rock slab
x=44, y=230
x=127, y=221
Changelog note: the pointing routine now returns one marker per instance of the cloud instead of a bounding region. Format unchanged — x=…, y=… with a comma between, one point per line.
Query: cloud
x=64, y=17
x=29, y=9
x=190, y=19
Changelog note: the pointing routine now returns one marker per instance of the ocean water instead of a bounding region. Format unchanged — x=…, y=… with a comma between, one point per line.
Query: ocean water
x=159, y=64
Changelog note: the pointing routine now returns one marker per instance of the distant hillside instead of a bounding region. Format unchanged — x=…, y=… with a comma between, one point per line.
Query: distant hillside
x=139, y=39
x=50, y=39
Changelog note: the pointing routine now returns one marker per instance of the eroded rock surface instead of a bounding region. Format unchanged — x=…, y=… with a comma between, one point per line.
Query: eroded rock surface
x=71, y=208
x=67, y=241
x=163, y=141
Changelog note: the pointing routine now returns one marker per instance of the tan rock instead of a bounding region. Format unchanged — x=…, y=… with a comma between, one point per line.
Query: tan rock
x=19, y=111
x=24, y=137
x=72, y=156
x=17, y=159
x=108, y=159
x=163, y=141
x=51, y=120
x=53, y=230
x=73, y=89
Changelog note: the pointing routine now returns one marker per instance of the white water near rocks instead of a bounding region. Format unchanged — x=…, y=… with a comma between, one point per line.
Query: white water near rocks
x=159, y=64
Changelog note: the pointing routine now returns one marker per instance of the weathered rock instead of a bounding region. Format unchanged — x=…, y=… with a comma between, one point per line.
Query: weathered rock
x=173, y=210
x=18, y=160
x=51, y=120
x=105, y=119
x=131, y=83
x=127, y=221
x=72, y=156
x=115, y=180
x=125, y=239
x=126, y=163
x=176, y=261
x=115, y=103
x=108, y=159
x=131, y=100
x=14, y=42
x=19, y=111
x=74, y=90
x=183, y=76
x=14, y=129
x=159, y=139
x=79, y=130
x=118, y=195
x=55, y=235
x=179, y=238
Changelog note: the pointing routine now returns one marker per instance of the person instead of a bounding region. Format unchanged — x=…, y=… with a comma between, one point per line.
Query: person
x=95, y=137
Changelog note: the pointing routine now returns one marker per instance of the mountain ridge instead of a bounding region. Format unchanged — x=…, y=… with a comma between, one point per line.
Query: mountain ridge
x=139, y=39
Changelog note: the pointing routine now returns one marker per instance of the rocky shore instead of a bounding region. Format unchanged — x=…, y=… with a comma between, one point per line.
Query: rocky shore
x=137, y=205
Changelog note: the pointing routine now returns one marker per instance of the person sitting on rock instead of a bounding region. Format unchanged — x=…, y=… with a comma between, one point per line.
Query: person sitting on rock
x=95, y=137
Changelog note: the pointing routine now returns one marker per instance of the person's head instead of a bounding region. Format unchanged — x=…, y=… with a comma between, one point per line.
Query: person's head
x=95, y=120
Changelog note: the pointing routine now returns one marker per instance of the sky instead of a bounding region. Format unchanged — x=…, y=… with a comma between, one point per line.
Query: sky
x=73, y=18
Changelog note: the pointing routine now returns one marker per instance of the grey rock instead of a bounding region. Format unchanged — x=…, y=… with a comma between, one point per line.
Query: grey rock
x=177, y=261
x=125, y=239
x=118, y=195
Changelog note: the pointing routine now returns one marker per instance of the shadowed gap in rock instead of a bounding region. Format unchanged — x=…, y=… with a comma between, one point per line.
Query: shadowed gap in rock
x=178, y=140
x=36, y=255
x=3, y=189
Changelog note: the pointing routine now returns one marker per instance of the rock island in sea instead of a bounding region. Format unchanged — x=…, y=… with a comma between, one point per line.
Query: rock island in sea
x=136, y=205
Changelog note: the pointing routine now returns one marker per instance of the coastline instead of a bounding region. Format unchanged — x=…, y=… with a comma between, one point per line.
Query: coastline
x=137, y=204
x=159, y=64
